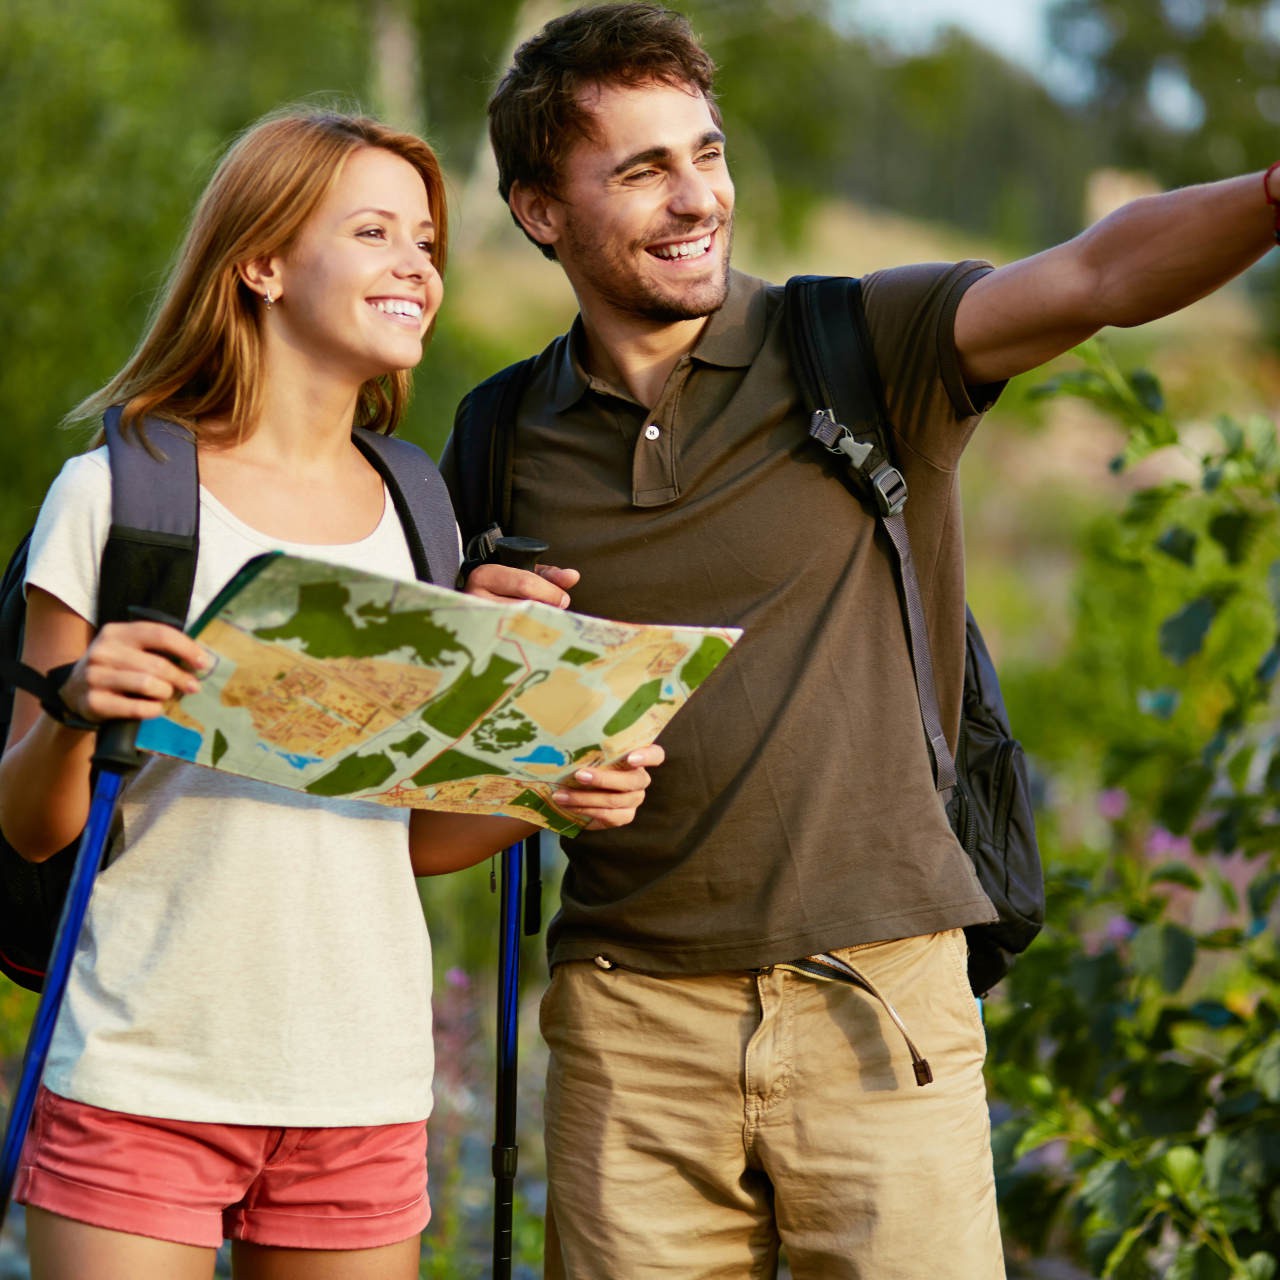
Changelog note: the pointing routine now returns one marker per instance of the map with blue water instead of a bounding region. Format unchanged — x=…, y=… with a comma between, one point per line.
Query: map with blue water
x=337, y=682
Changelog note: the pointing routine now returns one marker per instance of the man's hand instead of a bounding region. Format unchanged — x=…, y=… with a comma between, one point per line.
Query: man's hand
x=606, y=798
x=546, y=584
x=601, y=799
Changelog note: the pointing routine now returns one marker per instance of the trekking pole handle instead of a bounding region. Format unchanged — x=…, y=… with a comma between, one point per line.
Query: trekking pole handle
x=115, y=749
x=519, y=553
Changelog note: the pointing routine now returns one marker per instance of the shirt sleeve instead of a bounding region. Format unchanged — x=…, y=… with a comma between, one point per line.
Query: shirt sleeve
x=71, y=532
x=911, y=314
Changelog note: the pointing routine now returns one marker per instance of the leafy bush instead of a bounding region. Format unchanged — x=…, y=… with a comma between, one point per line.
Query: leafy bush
x=1136, y=1046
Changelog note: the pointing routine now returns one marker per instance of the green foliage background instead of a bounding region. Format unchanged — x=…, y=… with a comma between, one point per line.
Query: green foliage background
x=1135, y=1053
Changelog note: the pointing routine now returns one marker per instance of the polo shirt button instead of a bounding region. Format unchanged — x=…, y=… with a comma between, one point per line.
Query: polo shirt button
x=652, y=432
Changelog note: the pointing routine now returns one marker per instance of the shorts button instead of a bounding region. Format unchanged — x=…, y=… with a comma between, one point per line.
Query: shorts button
x=652, y=431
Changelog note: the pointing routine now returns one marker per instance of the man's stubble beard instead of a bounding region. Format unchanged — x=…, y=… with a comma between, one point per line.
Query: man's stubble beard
x=627, y=292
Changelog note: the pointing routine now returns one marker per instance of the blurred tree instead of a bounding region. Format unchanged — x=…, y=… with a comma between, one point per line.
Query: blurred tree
x=116, y=112
x=958, y=135
x=1189, y=89
x=1186, y=89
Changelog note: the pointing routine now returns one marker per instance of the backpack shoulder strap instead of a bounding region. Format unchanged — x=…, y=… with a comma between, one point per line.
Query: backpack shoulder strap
x=831, y=355
x=421, y=501
x=835, y=367
x=150, y=556
x=483, y=455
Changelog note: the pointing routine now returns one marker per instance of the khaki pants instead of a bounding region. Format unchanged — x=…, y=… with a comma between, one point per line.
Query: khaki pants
x=695, y=1123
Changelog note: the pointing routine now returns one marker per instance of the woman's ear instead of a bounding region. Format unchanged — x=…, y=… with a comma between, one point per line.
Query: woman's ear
x=538, y=213
x=263, y=276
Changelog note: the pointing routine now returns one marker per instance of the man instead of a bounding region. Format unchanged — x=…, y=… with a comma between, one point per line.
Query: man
x=705, y=1103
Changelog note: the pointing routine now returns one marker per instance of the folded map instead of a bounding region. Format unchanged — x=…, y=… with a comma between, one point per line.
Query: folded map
x=337, y=682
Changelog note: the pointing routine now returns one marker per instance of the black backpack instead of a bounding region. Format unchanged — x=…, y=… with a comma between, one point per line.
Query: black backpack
x=985, y=787
x=150, y=560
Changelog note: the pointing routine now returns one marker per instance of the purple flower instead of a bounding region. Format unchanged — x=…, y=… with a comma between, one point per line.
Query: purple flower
x=1163, y=844
x=1119, y=929
x=457, y=979
x=1113, y=803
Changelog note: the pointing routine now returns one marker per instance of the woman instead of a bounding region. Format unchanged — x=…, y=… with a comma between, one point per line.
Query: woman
x=245, y=1044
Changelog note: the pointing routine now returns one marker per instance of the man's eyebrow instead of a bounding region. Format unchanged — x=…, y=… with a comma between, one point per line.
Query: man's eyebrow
x=656, y=155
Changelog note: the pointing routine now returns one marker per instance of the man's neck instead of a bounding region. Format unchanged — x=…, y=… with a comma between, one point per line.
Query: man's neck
x=635, y=355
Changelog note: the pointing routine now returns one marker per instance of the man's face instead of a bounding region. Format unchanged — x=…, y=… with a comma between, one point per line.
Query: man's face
x=643, y=218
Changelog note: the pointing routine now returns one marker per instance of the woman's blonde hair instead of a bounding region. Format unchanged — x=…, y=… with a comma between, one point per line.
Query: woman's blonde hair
x=201, y=355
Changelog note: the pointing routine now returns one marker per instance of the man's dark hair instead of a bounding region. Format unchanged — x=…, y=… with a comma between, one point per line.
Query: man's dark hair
x=535, y=115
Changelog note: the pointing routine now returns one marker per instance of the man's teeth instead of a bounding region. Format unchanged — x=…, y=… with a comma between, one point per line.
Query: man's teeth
x=398, y=307
x=687, y=249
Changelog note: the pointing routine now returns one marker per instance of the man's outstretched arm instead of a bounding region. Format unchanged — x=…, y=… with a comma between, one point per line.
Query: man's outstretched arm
x=1148, y=258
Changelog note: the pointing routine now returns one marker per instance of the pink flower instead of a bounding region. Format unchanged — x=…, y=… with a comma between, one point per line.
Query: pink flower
x=1163, y=844
x=1113, y=803
x=1119, y=929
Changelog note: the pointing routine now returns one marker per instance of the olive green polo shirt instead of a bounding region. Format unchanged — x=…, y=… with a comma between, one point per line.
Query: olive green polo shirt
x=796, y=811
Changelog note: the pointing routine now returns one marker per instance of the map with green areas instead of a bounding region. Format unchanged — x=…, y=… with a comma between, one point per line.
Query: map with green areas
x=341, y=683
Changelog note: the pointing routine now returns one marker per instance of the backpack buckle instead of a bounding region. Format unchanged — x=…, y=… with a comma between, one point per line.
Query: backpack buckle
x=478, y=551
x=886, y=484
x=889, y=489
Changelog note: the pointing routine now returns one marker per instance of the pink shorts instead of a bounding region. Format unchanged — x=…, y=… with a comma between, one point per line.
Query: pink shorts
x=193, y=1183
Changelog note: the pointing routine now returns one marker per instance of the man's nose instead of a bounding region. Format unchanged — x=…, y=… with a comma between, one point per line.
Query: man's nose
x=693, y=195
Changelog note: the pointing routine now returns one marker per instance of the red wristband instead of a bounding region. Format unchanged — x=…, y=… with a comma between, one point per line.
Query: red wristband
x=1272, y=200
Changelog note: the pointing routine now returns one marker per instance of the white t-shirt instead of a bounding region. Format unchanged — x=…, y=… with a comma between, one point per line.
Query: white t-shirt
x=251, y=955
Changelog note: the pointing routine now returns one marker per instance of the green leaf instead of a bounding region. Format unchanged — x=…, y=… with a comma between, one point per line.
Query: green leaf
x=1182, y=797
x=1146, y=387
x=1160, y=703
x=1075, y=382
x=1262, y=893
x=1042, y=1130
x=1234, y=532
x=1213, y=1013
x=1176, y=873
x=1146, y=504
x=1225, y=939
x=1182, y=635
x=1232, y=434
x=1112, y=1191
x=1260, y=1266
x=1165, y=952
x=1237, y=1213
x=1179, y=543
x=1184, y=1168
x=1235, y=1162
x=1266, y=1074
x=1125, y=1246
x=1273, y=584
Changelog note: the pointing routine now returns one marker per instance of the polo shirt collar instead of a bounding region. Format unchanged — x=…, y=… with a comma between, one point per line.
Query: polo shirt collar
x=732, y=340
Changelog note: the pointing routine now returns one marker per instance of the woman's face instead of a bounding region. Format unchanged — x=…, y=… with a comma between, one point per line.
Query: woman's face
x=358, y=288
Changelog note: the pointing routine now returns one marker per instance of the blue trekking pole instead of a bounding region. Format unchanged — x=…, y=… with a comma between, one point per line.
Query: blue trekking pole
x=505, y=1150
x=114, y=758
x=518, y=553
